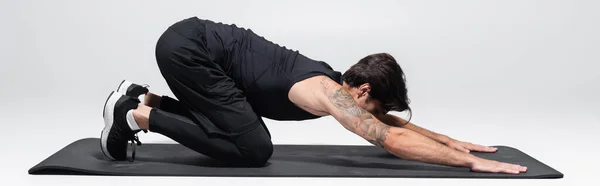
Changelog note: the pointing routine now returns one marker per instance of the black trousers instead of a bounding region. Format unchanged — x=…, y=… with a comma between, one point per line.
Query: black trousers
x=209, y=114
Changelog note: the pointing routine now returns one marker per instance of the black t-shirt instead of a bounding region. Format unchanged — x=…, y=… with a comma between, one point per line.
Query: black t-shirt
x=263, y=70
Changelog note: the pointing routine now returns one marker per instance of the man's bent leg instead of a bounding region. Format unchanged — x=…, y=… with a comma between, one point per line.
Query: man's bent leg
x=200, y=83
x=171, y=105
x=252, y=148
x=212, y=105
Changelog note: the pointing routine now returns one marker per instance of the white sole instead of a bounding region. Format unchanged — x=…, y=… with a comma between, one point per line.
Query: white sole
x=122, y=89
x=108, y=115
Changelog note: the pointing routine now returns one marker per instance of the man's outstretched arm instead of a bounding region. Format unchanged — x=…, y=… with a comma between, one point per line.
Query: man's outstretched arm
x=324, y=94
x=399, y=122
x=452, y=143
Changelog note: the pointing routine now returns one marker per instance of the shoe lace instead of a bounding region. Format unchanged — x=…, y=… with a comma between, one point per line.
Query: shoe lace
x=135, y=141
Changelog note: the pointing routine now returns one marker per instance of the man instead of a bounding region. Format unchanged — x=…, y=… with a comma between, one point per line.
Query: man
x=227, y=78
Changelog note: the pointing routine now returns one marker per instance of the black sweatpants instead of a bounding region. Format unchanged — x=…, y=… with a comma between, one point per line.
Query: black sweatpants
x=209, y=115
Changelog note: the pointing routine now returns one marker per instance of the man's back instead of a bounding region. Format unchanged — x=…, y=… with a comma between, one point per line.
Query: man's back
x=263, y=70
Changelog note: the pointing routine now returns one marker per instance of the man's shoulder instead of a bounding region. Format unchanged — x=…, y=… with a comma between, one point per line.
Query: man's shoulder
x=309, y=94
x=313, y=87
x=317, y=82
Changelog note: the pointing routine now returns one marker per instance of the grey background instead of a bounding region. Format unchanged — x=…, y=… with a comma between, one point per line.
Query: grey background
x=521, y=73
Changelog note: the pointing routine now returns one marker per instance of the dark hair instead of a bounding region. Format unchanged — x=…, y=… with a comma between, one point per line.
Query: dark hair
x=383, y=73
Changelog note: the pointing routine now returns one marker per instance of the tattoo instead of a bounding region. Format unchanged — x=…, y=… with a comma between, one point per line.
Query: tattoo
x=356, y=119
x=343, y=100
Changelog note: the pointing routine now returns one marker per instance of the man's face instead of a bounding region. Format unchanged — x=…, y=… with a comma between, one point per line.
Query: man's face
x=361, y=96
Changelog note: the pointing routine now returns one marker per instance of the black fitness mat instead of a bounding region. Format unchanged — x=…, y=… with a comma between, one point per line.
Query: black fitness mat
x=84, y=157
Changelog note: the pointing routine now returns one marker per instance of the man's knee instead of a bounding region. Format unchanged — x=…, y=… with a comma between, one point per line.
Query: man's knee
x=256, y=147
x=260, y=155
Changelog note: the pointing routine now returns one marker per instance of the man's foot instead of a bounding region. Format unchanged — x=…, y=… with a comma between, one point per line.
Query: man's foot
x=133, y=90
x=117, y=133
x=129, y=88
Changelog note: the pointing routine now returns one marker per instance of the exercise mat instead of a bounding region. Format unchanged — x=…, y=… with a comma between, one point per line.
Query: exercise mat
x=84, y=157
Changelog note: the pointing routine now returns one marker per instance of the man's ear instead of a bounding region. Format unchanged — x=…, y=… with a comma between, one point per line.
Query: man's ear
x=364, y=90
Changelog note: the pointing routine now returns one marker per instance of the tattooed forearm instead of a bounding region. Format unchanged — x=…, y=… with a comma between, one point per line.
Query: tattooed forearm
x=376, y=132
x=355, y=118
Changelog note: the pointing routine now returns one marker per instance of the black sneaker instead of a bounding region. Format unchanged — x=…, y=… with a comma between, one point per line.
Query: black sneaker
x=116, y=133
x=129, y=88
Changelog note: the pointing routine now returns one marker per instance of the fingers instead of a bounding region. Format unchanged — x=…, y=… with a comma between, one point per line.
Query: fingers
x=498, y=167
x=460, y=148
x=510, y=171
x=480, y=148
x=522, y=169
x=511, y=168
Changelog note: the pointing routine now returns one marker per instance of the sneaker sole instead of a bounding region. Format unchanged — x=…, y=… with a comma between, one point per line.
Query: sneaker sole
x=123, y=87
x=108, y=116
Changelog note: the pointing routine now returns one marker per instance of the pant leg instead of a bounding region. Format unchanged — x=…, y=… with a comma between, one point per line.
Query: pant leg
x=252, y=148
x=171, y=105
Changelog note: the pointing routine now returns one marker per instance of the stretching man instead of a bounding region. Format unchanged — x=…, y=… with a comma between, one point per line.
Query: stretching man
x=226, y=78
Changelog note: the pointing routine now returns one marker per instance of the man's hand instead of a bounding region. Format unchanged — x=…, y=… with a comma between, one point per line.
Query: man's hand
x=484, y=165
x=468, y=147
